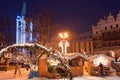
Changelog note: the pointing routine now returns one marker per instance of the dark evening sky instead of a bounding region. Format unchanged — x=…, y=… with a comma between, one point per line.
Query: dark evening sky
x=78, y=15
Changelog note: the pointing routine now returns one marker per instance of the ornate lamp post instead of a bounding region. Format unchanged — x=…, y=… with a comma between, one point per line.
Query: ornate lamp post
x=63, y=43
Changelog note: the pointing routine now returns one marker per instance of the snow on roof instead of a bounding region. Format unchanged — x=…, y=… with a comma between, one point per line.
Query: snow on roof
x=98, y=55
x=74, y=55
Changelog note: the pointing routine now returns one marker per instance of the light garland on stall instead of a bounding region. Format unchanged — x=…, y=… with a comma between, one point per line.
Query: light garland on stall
x=56, y=54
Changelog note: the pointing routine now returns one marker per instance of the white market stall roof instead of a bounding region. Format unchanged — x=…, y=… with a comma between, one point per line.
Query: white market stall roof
x=101, y=58
x=74, y=55
x=91, y=58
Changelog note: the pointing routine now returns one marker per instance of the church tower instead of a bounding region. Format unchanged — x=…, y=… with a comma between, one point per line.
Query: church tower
x=22, y=34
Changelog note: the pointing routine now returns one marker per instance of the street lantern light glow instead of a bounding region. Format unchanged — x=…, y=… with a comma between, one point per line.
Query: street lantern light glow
x=63, y=43
x=63, y=35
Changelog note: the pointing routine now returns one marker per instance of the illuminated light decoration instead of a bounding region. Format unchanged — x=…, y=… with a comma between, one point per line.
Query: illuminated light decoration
x=53, y=62
x=56, y=54
x=20, y=30
x=63, y=43
x=101, y=60
x=64, y=35
x=22, y=36
x=31, y=30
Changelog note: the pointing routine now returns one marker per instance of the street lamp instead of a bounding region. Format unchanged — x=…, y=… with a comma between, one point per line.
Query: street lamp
x=63, y=43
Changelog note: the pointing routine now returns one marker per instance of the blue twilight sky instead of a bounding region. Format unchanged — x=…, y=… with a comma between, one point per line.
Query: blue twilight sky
x=77, y=15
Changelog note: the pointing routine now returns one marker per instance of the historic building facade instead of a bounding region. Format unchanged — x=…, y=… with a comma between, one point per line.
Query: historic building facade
x=106, y=35
x=82, y=44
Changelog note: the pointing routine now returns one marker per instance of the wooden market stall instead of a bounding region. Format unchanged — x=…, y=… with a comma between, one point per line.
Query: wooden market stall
x=100, y=59
x=75, y=60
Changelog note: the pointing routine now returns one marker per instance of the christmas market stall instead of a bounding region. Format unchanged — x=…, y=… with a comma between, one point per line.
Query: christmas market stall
x=76, y=62
x=100, y=64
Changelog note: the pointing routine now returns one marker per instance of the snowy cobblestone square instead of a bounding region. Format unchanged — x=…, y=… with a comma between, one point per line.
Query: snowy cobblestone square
x=9, y=75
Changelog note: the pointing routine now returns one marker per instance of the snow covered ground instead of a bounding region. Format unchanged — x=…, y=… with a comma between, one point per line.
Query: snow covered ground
x=96, y=78
x=75, y=78
x=9, y=75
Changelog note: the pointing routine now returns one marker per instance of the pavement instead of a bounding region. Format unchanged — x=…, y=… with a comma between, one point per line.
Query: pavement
x=9, y=75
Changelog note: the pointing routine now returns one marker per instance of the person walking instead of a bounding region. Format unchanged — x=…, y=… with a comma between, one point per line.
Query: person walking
x=17, y=68
x=101, y=69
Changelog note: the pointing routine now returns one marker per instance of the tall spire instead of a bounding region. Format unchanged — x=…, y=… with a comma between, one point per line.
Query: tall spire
x=23, y=13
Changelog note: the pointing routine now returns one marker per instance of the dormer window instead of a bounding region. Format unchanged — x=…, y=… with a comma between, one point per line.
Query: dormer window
x=96, y=32
x=105, y=28
x=116, y=25
x=111, y=27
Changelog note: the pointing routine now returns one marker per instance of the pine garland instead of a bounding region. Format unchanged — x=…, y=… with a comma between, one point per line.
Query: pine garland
x=14, y=50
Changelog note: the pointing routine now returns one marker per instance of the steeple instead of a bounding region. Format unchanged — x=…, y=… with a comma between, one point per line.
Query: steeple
x=23, y=13
x=22, y=35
